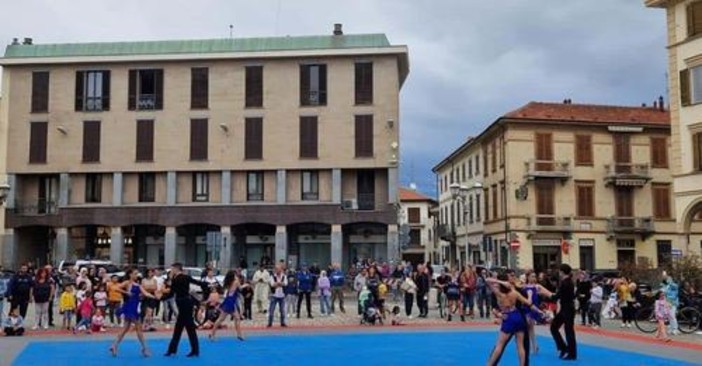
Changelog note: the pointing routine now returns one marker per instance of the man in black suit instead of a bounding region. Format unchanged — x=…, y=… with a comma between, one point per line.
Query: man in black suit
x=566, y=315
x=423, y=283
x=180, y=286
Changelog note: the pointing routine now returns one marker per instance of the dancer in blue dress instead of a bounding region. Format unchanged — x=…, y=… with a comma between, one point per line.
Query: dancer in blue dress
x=230, y=305
x=130, y=311
x=513, y=323
x=533, y=291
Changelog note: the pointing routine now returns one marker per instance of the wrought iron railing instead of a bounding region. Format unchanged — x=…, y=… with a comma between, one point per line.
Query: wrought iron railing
x=36, y=207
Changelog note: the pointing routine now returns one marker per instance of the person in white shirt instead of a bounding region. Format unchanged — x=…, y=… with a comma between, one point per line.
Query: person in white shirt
x=278, y=282
x=261, y=280
x=595, y=308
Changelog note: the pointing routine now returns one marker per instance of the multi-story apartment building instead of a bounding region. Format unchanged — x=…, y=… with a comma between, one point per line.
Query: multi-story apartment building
x=415, y=212
x=153, y=152
x=460, y=209
x=587, y=185
x=684, y=25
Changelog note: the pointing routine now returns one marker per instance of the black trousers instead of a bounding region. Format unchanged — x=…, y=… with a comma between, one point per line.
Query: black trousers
x=422, y=304
x=247, y=308
x=185, y=320
x=308, y=302
x=10, y=332
x=51, y=312
x=565, y=317
x=409, y=301
x=20, y=303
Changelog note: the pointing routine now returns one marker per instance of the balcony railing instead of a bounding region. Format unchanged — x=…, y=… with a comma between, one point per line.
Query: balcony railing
x=547, y=169
x=146, y=101
x=550, y=223
x=36, y=207
x=366, y=201
x=630, y=225
x=627, y=174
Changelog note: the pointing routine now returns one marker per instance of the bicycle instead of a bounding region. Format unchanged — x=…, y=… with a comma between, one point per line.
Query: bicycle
x=688, y=319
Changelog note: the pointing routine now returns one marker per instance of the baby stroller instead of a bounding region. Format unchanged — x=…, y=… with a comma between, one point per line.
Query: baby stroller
x=370, y=313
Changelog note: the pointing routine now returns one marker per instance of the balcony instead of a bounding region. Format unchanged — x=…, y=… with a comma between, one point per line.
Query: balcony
x=146, y=102
x=547, y=169
x=36, y=207
x=627, y=174
x=549, y=223
x=366, y=201
x=630, y=225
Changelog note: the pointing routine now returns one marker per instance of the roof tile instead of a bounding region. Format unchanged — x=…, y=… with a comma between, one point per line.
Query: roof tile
x=591, y=113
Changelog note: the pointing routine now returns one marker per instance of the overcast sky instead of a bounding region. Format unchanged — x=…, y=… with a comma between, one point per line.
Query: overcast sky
x=471, y=60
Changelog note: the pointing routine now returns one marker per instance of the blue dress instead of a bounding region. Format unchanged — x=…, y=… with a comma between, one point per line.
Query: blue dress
x=513, y=321
x=231, y=302
x=130, y=309
x=531, y=292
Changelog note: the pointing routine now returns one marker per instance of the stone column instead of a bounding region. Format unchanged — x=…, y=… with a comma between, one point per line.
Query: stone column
x=169, y=246
x=337, y=244
x=336, y=186
x=9, y=249
x=281, y=244
x=117, y=190
x=11, y=194
x=392, y=185
x=225, y=254
x=61, y=250
x=281, y=187
x=116, y=245
x=171, y=188
x=393, y=243
x=64, y=189
x=226, y=187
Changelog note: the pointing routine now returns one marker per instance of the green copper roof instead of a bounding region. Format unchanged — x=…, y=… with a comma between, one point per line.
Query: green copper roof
x=197, y=46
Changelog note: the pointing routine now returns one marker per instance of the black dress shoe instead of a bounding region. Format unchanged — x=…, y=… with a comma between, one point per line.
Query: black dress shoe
x=193, y=354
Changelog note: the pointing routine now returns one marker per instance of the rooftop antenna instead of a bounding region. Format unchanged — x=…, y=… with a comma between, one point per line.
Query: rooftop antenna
x=231, y=31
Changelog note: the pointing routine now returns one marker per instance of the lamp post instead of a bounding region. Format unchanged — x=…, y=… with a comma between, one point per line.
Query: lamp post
x=460, y=193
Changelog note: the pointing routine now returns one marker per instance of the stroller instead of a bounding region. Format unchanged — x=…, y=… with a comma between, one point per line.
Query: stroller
x=371, y=314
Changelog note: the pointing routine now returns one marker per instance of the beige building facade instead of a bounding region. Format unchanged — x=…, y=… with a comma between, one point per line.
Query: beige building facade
x=416, y=216
x=684, y=45
x=586, y=185
x=233, y=150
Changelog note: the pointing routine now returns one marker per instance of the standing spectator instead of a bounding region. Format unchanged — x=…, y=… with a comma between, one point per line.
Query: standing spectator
x=483, y=295
x=442, y=282
x=468, y=285
x=100, y=298
x=114, y=298
x=423, y=282
x=373, y=283
x=41, y=292
x=291, y=293
x=672, y=294
x=410, y=289
x=452, y=292
x=19, y=290
x=83, y=278
x=315, y=271
x=336, y=278
x=358, y=284
x=247, y=292
x=304, y=289
x=85, y=309
x=67, y=306
x=324, y=293
x=397, y=278
x=663, y=311
x=148, y=305
x=56, y=283
x=170, y=309
x=626, y=302
x=261, y=279
x=4, y=281
x=244, y=265
x=583, y=292
x=278, y=282
x=595, y=309
x=13, y=326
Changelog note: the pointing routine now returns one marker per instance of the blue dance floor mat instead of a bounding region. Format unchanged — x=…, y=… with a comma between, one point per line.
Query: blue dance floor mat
x=366, y=349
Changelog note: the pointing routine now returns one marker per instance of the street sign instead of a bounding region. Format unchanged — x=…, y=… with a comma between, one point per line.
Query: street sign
x=676, y=252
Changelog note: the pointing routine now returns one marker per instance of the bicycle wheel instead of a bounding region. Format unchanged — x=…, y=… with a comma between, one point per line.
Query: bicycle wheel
x=645, y=319
x=688, y=320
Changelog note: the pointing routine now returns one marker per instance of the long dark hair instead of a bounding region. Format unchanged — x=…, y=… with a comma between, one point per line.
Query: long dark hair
x=504, y=289
x=229, y=279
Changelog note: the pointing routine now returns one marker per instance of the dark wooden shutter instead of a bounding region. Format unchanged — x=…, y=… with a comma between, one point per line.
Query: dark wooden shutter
x=80, y=81
x=585, y=199
x=624, y=205
x=495, y=207
x=91, y=141
x=322, y=84
x=659, y=152
x=583, y=150
x=413, y=215
x=199, y=87
x=254, y=86
x=40, y=91
x=364, y=136
x=145, y=140
x=304, y=84
x=132, y=94
x=198, y=139
x=106, y=90
x=493, y=155
x=545, y=202
x=37, y=142
x=661, y=201
x=253, y=146
x=697, y=151
x=685, y=87
x=364, y=83
x=694, y=19
x=308, y=137
x=544, y=151
x=158, y=89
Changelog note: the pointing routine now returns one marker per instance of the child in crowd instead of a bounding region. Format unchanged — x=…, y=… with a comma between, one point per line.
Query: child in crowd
x=100, y=298
x=396, y=317
x=596, y=294
x=610, y=311
x=13, y=324
x=98, y=321
x=85, y=309
x=80, y=295
x=114, y=298
x=662, y=316
x=291, y=294
x=67, y=306
x=247, y=293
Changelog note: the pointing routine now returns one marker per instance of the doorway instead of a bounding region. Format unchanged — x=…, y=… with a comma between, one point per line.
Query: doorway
x=546, y=257
x=587, y=258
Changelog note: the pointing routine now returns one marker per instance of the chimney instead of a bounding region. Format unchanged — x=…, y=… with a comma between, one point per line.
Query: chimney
x=655, y=104
x=27, y=41
x=661, y=106
x=643, y=105
x=337, y=29
x=15, y=41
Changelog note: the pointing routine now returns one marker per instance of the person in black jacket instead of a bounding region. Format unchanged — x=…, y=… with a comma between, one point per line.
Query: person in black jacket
x=19, y=289
x=180, y=286
x=565, y=316
x=583, y=292
x=423, y=283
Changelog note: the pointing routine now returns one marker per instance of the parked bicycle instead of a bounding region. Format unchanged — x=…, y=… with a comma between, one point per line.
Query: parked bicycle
x=688, y=316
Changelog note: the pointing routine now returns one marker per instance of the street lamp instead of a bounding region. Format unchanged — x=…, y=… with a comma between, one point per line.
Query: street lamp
x=460, y=193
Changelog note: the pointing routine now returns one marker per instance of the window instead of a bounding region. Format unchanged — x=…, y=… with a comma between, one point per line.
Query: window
x=477, y=207
x=494, y=203
x=364, y=136
x=485, y=161
x=254, y=186
x=659, y=152
x=198, y=139
x=583, y=150
x=487, y=204
x=477, y=165
x=585, y=199
x=199, y=87
x=308, y=137
x=91, y=141
x=471, y=211
x=413, y=216
x=145, y=140
x=691, y=86
x=201, y=187
x=145, y=89
x=253, y=144
x=545, y=203
x=92, y=91
x=697, y=151
x=415, y=236
x=493, y=156
x=502, y=151
x=364, y=83
x=313, y=85
x=40, y=91
x=254, y=86
x=661, y=201
x=93, y=188
x=147, y=187
x=470, y=168
x=37, y=142
x=543, y=151
x=664, y=253
x=310, y=185
x=694, y=19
